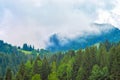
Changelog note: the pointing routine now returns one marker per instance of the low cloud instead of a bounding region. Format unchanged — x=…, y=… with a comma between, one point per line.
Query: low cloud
x=34, y=21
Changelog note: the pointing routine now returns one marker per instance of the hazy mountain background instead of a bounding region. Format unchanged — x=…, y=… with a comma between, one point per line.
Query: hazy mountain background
x=106, y=32
x=35, y=21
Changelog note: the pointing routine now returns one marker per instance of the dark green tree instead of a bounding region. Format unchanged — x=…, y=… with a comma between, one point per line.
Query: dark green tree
x=37, y=66
x=8, y=75
x=77, y=63
x=53, y=74
x=45, y=69
x=81, y=74
x=98, y=73
x=36, y=77
x=21, y=75
x=25, y=47
x=88, y=61
x=114, y=66
x=102, y=56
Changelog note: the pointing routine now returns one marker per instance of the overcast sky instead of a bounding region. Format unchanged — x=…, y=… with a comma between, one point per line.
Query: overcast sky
x=34, y=21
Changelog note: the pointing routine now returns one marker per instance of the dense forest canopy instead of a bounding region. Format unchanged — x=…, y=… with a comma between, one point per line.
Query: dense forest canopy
x=92, y=63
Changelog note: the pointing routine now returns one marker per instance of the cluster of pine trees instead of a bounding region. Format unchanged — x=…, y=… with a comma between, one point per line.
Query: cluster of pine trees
x=11, y=57
x=93, y=63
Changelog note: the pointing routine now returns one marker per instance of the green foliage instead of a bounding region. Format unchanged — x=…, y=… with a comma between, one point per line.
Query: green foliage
x=45, y=69
x=21, y=75
x=98, y=73
x=88, y=61
x=77, y=63
x=8, y=75
x=36, y=77
x=65, y=70
x=81, y=74
x=10, y=57
x=1, y=78
x=7, y=48
x=54, y=69
x=37, y=66
x=27, y=47
x=102, y=56
x=53, y=74
x=26, y=52
x=29, y=64
x=92, y=63
x=12, y=61
x=115, y=63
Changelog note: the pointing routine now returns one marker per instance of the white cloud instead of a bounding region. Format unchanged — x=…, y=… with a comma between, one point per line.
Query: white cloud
x=110, y=16
x=103, y=17
x=34, y=21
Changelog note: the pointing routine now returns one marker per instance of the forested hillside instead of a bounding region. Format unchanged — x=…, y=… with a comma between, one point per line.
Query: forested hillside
x=12, y=56
x=107, y=32
x=93, y=63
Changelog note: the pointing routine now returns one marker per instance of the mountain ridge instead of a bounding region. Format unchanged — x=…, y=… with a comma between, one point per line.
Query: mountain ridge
x=107, y=32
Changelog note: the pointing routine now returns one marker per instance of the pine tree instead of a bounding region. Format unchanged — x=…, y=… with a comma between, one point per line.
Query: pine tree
x=115, y=63
x=81, y=74
x=98, y=73
x=88, y=61
x=29, y=66
x=36, y=77
x=102, y=57
x=53, y=74
x=1, y=78
x=21, y=75
x=37, y=66
x=8, y=75
x=45, y=69
x=77, y=63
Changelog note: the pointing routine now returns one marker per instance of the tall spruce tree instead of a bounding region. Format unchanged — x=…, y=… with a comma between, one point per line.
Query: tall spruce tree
x=114, y=66
x=21, y=75
x=37, y=66
x=45, y=69
x=8, y=75
x=53, y=74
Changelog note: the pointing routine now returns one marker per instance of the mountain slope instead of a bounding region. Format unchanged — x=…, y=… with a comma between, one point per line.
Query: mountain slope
x=107, y=32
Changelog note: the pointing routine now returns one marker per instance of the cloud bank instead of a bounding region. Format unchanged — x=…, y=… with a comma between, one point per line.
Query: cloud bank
x=34, y=21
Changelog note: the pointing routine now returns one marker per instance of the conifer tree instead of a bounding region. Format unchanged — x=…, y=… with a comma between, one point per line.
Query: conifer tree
x=77, y=63
x=21, y=75
x=81, y=74
x=45, y=69
x=53, y=74
x=36, y=77
x=8, y=75
x=37, y=66
x=115, y=63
